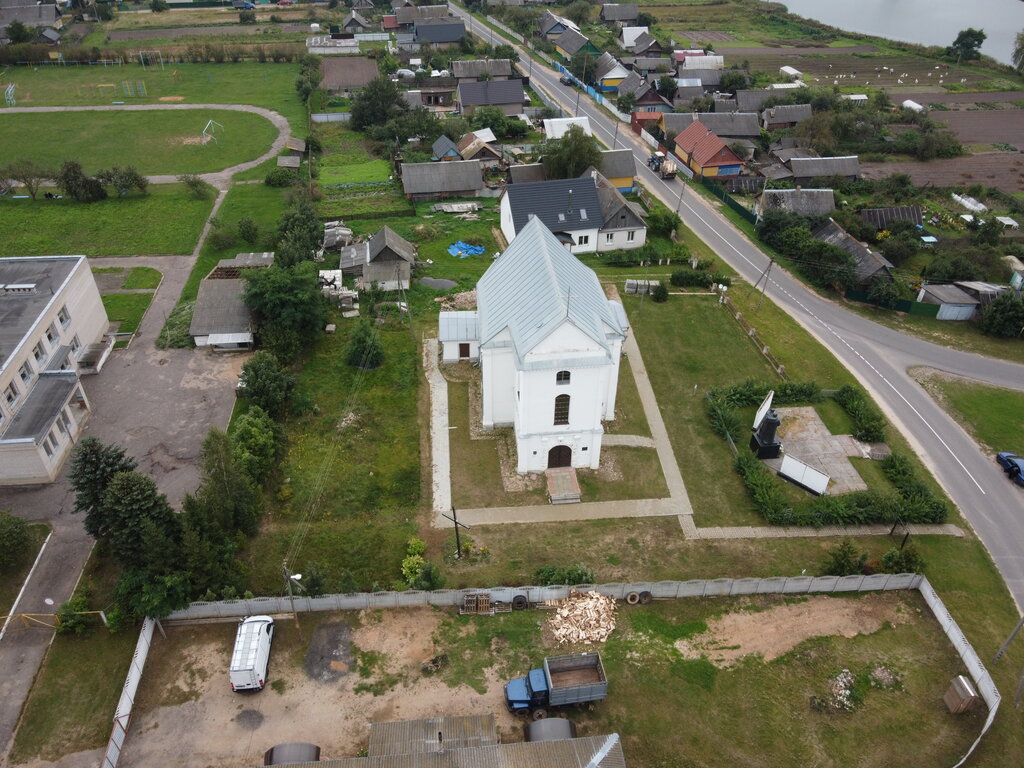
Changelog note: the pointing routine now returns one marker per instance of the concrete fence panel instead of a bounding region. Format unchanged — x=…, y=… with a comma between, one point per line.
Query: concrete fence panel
x=718, y=587
x=797, y=585
x=744, y=586
x=824, y=584
x=771, y=585
x=849, y=583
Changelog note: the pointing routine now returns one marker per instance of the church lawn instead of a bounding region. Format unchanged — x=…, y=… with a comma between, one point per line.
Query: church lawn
x=118, y=226
x=155, y=142
x=629, y=411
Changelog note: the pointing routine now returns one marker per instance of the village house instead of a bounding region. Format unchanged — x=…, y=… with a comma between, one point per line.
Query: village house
x=571, y=42
x=444, y=149
x=806, y=202
x=474, y=147
x=549, y=344
x=384, y=261
x=619, y=167
x=649, y=66
x=623, y=14
x=486, y=69
x=437, y=181
x=52, y=326
x=868, y=263
x=645, y=44
x=629, y=35
x=557, y=127
x=347, y=74
x=506, y=95
x=409, y=17
x=609, y=73
x=355, y=23
x=728, y=125
x=552, y=26
x=704, y=153
x=646, y=97
x=806, y=169
x=785, y=116
x=440, y=33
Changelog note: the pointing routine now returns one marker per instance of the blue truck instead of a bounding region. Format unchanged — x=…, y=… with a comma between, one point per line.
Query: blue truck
x=571, y=679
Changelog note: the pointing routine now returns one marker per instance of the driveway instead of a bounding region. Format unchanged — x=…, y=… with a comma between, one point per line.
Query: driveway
x=158, y=405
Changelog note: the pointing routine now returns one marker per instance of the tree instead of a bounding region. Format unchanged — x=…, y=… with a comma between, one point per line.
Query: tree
x=27, y=173
x=123, y=179
x=733, y=80
x=987, y=233
x=300, y=234
x=843, y=560
x=73, y=182
x=19, y=33
x=506, y=51
x=626, y=103
x=949, y=269
x=14, y=539
x=267, y=385
x=666, y=87
x=254, y=444
x=659, y=293
x=93, y=466
x=644, y=19
x=905, y=560
x=226, y=491
x=248, y=230
x=898, y=186
x=142, y=529
x=139, y=594
x=159, y=6
x=490, y=117
x=364, y=347
x=662, y=221
x=967, y=45
x=247, y=17
x=584, y=66
x=287, y=306
x=571, y=155
x=817, y=129
x=196, y=186
x=376, y=103
x=1017, y=57
x=883, y=292
x=1003, y=316
x=578, y=12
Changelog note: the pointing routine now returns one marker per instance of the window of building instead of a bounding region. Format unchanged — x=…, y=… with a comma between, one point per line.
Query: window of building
x=52, y=334
x=64, y=317
x=60, y=425
x=562, y=377
x=26, y=373
x=609, y=237
x=631, y=236
x=39, y=352
x=562, y=409
x=75, y=343
x=47, y=448
x=11, y=393
x=584, y=240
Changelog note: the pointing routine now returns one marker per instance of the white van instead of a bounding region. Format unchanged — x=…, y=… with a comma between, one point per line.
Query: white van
x=252, y=653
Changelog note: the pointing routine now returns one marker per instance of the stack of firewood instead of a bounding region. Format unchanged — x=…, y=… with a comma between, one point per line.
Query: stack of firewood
x=584, y=618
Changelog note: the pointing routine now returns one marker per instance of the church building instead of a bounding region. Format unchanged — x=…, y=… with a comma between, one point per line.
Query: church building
x=548, y=342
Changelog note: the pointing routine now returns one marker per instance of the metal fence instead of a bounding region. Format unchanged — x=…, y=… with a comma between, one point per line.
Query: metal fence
x=778, y=585
x=123, y=713
x=508, y=31
x=910, y=307
x=719, y=191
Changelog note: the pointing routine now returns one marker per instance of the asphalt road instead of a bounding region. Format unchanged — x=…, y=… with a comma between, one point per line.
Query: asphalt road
x=878, y=356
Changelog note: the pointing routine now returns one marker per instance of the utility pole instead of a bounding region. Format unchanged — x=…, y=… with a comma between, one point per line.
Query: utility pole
x=765, y=275
x=458, y=539
x=615, y=138
x=288, y=577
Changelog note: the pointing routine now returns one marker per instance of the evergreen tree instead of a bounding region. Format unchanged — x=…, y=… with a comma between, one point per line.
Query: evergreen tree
x=93, y=466
x=143, y=531
x=254, y=444
x=226, y=492
x=364, y=348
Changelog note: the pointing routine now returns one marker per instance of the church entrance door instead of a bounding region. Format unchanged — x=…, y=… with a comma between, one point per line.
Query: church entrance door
x=560, y=456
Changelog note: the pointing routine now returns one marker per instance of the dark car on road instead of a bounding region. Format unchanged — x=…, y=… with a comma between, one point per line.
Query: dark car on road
x=565, y=80
x=1013, y=465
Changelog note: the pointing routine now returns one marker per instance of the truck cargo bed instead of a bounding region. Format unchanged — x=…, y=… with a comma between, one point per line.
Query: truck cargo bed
x=575, y=677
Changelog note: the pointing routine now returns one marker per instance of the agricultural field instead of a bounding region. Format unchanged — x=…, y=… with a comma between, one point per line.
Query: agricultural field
x=1003, y=126
x=1003, y=170
x=263, y=85
x=155, y=142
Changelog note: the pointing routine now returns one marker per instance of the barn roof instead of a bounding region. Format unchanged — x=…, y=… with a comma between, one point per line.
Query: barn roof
x=806, y=202
x=388, y=238
x=726, y=124
x=617, y=163
x=868, y=263
x=619, y=11
x=220, y=308
x=477, y=67
x=810, y=167
x=787, y=113
x=447, y=177
x=347, y=72
x=572, y=42
x=440, y=30
x=490, y=92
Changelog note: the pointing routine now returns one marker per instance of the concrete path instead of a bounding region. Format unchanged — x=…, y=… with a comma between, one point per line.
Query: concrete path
x=802, y=532
x=440, y=448
x=218, y=179
x=630, y=441
x=551, y=513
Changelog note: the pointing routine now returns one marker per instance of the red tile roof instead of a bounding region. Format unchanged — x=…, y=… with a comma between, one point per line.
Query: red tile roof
x=704, y=147
x=389, y=22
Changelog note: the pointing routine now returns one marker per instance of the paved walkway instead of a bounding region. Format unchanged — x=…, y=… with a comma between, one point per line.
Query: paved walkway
x=440, y=449
x=629, y=441
x=218, y=179
x=802, y=532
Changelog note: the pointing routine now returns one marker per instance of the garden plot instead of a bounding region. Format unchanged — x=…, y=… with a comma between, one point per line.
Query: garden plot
x=750, y=677
x=1002, y=170
x=1002, y=126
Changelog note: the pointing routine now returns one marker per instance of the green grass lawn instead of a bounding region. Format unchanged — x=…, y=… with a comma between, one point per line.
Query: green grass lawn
x=125, y=226
x=369, y=466
x=263, y=85
x=629, y=411
x=992, y=415
x=142, y=278
x=126, y=309
x=13, y=577
x=72, y=702
x=372, y=170
x=155, y=142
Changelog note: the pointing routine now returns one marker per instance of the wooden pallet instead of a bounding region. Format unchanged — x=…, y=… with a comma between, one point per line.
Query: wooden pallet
x=480, y=604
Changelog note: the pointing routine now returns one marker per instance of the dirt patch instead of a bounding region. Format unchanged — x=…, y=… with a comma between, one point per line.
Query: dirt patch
x=329, y=655
x=171, y=98
x=404, y=637
x=779, y=629
x=190, y=140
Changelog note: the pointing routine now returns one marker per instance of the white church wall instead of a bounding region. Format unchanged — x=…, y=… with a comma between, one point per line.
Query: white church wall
x=499, y=391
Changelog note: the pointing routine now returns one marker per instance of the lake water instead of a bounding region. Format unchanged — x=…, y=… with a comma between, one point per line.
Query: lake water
x=928, y=22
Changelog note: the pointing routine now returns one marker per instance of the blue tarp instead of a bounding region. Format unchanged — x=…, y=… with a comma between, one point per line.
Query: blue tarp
x=462, y=250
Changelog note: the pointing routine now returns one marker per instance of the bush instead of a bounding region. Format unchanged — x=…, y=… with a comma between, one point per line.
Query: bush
x=247, y=17
x=920, y=505
x=764, y=489
x=69, y=618
x=662, y=222
x=14, y=538
x=724, y=420
x=697, y=278
x=280, y=177
x=248, y=230
x=844, y=560
x=906, y=560
x=659, y=293
x=267, y=384
x=159, y=6
x=548, y=575
x=868, y=420
x=195, y=185
x=364, y=350
x=752, y=392
x=254, y=444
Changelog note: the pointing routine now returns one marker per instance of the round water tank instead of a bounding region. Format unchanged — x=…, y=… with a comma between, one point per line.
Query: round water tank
x=292, y=752
x=314, y=27
x=551, y=729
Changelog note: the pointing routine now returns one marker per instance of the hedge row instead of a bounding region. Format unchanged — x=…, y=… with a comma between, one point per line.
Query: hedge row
x=868, y=420
x=697, y=278
x=920, y=505
x=752, y=392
